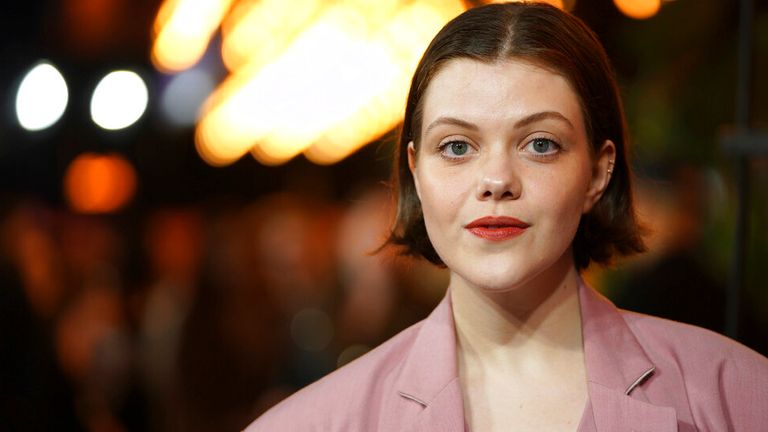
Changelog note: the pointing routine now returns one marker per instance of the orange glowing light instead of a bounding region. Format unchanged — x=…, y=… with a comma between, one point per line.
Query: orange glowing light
x=556, y=3
x=638, y=9
x=99, y=183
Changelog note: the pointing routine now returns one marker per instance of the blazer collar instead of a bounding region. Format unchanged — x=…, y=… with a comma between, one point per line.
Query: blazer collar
x=430, y=373
x=617, y=366
x=613, y=356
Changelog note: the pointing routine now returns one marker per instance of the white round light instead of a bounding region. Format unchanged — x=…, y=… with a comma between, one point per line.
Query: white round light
x=119, y=100
x=42, y=97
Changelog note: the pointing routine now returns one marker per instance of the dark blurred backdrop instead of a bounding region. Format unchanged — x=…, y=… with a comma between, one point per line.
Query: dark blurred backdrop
x=206, y=294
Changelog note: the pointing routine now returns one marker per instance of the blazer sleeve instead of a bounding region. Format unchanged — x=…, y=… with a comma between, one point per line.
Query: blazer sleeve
x=743, y=383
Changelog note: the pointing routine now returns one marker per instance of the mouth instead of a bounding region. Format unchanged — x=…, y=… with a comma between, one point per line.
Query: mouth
x=497, y=228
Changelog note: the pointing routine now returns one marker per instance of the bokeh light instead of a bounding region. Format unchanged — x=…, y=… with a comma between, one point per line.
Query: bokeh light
x=184, y=94
x=638, y=9
x=99, y=183
x=561, y=4
x=119, y=100
x=183, y=29
x=335, y=86
x=42, y=97
x=255, y=33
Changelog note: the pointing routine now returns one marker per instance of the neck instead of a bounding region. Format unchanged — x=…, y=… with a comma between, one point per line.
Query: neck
x=536, y=325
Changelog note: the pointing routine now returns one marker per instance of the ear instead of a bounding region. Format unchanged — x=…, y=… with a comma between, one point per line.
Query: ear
x=412, y=167
x=601, y=174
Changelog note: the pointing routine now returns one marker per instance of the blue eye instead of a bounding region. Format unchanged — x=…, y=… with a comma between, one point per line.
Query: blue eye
x=458, y=148
x=455, y=149
x=540, y=147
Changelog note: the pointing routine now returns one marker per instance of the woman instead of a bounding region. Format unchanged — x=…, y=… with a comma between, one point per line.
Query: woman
x=512, y=172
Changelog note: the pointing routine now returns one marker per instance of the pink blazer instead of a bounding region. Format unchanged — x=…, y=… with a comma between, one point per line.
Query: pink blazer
x=644, y=374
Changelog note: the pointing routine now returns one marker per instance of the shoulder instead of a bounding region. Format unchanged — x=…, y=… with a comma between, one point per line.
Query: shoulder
x=718, y=373
x=671, y=336
x=696, y=345
x=345, y=399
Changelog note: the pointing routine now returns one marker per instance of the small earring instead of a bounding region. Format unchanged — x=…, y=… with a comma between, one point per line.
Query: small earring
x=610, y=167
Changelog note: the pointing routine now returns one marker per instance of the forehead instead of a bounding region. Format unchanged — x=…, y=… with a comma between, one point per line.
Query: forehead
x=503, y=90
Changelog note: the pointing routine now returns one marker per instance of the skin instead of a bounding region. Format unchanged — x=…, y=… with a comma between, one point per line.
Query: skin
x=508, y=139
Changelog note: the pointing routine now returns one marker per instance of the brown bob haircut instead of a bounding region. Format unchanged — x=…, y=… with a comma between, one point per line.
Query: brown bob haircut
x=548, y=37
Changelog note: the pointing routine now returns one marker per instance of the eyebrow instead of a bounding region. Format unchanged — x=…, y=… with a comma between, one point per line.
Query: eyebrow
x=533, y=118
x=451, y=121
x=543, y=115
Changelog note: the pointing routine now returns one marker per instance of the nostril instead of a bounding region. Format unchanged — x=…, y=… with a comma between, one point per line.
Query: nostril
x=487, y=194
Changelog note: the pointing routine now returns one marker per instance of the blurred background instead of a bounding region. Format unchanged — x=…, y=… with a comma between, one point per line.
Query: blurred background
x=190, y=189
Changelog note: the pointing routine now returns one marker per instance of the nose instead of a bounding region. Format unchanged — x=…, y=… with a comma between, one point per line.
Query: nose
x=499, y=180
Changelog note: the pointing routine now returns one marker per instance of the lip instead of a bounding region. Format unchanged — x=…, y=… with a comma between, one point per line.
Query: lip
x=497, y=228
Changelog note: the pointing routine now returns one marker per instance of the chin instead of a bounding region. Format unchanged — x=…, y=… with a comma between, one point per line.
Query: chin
x=511, y=274
x=493, y=278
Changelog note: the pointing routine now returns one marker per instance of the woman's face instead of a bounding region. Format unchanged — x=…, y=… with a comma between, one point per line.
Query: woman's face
x=504, y=171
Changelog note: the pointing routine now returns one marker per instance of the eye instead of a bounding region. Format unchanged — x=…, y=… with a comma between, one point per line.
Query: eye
x=542, y=147
x=455, y=149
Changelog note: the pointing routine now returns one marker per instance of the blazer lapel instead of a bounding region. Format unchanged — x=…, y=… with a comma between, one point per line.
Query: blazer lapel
x=444, y=413
x=617, y=366
x=615, y=411
x=430, y=376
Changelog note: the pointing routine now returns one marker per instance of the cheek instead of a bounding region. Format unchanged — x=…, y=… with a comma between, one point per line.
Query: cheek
x=437, y=204
x=560, y=197
x=439, y=190
x=442, y=195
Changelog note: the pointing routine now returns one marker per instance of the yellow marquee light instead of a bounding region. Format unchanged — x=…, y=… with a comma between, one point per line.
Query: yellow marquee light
x=638, y=9
x=556, y=3
x=404, y=39
x=376, y=13
x=333, y=90
x=183, y=30
x=343, y=140
x=360, y=70
x=229, y=124
x=258, y=31
x=265, y=158
x=322, y=78
x=288, y=108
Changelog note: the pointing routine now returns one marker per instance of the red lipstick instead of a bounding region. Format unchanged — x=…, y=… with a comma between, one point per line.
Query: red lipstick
x=497, y=228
